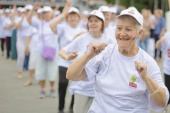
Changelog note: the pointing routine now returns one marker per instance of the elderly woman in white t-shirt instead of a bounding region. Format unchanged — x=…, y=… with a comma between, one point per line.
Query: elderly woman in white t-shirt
x=46, y=65
x=67, y=30
x=127, y=79
x=84, y=91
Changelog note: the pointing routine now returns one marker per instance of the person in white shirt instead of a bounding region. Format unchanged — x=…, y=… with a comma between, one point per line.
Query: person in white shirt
x=127, y=79
x=66, y=31
x=23, y=31
x=2, y=33
x=163, y=44
x=30, y=50
x=109, y=29
x=84, y=91
x=113, y=16
x=47, y=40
x=8, y=26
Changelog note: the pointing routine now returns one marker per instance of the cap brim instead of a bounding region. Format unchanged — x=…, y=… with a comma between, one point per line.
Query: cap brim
x=128, y=15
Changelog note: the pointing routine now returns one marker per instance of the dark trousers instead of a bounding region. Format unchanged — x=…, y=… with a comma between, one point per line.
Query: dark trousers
x=167, y=82
x=26, y=62
x=156, y=37
x=8, y=46
x=62, y=89
x=2, y=44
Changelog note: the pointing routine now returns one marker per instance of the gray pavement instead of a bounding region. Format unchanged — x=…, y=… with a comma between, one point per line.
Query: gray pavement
x=15, y=98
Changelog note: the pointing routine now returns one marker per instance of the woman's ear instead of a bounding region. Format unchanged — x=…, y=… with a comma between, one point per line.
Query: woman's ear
x=141, y=32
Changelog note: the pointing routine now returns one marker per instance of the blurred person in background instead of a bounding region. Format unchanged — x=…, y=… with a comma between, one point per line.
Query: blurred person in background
x=67, y=31
x=158, y=31
x=143, y=41
x=163, y=44
x=109, y=29
x=2, y=33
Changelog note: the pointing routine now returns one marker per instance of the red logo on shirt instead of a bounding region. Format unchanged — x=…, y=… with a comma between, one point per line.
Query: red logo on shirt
x=132, y=82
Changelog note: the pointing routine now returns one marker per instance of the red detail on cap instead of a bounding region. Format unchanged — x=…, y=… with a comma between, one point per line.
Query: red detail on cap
x=132, y=84
x=131, y=12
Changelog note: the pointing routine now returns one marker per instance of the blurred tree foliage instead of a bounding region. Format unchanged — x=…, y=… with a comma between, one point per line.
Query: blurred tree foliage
x=140, y=4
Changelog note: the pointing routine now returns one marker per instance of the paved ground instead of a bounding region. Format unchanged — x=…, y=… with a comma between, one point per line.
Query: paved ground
x=15, y=98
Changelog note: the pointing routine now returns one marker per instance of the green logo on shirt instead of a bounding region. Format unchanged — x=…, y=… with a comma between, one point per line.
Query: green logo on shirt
x=132, y=79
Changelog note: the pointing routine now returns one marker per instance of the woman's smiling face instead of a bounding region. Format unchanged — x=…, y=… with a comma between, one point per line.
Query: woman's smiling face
x=126, y=32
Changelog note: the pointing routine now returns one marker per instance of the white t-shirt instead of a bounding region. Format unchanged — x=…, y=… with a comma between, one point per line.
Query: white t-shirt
x=67, y=34
x=34, y=39
x=6, y=22
x=118, y=86
x=110, y=32
x=24, y=30
x=46, y=37
x=80, y=44
x=166, y=49
x=2, y=31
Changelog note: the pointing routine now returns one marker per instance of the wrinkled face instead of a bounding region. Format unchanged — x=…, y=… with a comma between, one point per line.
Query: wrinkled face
x=73, y=19
x=107, y=16
x=126, y=33
x=95, y=24
x=47, y=16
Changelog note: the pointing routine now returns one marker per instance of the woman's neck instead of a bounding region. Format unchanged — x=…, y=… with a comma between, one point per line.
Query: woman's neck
x=96, y=34
x=130, y=52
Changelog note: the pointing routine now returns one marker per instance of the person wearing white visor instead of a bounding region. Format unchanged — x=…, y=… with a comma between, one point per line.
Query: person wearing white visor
x=109, y=30
x=84, y=19
x=84, y=91
x=113, y=16
x=39, y=13
x=48, y=37
x=127, y=79
x=66, y=31
x=23, y=31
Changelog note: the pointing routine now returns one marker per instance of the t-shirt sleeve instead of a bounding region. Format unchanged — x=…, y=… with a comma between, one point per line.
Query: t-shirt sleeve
x=74, y=45
x=35, y=21
x=155, y=73
x=98, y=63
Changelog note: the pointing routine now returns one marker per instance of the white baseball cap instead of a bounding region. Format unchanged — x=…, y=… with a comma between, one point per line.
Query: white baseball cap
x=28, y=7
x=7, y=10
x=57, y=13
x=85, y=12
x=73, y=9
x=113, y=10
x=40, y=10
x=104, y=9
x=134, y=13
x=47, y=9
x=22, y=10
x=97, y=13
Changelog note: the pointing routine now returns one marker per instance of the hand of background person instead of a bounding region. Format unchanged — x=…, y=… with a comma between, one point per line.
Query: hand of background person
x=142, y=69
x=72, y=55
x=95, y=48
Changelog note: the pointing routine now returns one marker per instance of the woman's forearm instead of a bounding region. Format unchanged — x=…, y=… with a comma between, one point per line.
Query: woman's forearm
x=76, y=70
x=157, y=93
